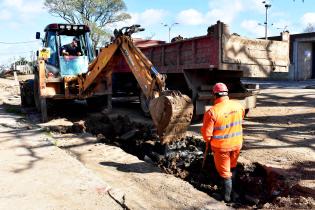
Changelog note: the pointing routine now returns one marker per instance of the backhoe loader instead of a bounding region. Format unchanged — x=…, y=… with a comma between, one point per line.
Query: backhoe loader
x=89, y=77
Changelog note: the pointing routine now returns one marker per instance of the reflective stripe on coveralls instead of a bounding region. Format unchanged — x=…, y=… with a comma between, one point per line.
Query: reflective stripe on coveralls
x=227, y=126
x=227, y=136
x=227, y=131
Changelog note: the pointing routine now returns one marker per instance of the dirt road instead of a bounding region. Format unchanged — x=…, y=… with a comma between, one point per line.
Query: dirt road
x=280, y=132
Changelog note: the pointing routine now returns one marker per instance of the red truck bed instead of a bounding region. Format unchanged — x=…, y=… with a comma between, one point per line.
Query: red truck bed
x=193, y=65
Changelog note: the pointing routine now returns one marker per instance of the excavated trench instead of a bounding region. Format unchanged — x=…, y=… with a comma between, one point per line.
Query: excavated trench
x=257, y=186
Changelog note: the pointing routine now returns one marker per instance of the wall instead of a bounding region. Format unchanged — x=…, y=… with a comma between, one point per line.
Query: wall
x=304, y=61
x=301, y=54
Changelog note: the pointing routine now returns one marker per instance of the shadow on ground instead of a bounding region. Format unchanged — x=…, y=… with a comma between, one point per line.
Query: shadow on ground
x=16, y=128
x=139, y=167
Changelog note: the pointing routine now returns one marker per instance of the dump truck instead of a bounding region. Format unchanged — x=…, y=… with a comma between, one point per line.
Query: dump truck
x=194, y=65
x=86, y=76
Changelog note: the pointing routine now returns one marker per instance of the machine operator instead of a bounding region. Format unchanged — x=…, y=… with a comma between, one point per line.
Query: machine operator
x=72, y=48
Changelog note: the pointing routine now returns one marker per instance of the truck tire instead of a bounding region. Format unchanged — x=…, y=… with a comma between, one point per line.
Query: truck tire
x=247, y=111
x=144, y=104
x=197, y=118
x=97, y=103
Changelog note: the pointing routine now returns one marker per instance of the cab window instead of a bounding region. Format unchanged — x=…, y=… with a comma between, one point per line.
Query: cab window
x=52, y=44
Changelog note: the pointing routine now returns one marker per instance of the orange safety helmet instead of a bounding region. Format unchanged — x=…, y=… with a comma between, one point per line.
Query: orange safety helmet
x=220, y=88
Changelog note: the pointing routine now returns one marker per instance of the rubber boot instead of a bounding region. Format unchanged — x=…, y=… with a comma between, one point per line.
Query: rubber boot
x=234, y=195
x=227, y=189
x=233, y=170
x=219, y=195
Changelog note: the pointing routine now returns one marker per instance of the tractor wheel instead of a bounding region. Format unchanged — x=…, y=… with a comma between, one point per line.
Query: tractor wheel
x=27, y=92
x=98, y=103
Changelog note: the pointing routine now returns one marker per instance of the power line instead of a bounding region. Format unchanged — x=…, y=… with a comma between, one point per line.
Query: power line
x=25, y=42
x=13, y=53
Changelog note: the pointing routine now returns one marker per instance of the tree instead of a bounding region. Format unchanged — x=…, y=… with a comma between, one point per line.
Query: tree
x=309, y=28
x=2, y=68
x=97, y=14
x=20, y=61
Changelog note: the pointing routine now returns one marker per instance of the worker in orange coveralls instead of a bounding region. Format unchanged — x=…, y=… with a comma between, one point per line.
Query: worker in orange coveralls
x=222, y=129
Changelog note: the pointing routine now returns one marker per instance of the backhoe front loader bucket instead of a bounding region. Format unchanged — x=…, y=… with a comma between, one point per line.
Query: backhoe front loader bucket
x=171, y=113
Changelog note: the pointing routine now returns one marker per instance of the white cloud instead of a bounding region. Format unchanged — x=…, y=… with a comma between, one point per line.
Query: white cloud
x=5, y=15
x=24, y=6
x=223, y=10
x=253, y=28
x=146, y=18
x=190, y=17
x=216, y=14
x=13, y=3
x=152, y=16
x=308, y=18
x=24, y=10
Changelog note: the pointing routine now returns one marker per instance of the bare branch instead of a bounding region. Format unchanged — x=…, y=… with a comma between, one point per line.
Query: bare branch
x=96, y=13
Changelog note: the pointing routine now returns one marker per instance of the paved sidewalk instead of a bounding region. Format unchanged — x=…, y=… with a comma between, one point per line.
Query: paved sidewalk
x=35, y=174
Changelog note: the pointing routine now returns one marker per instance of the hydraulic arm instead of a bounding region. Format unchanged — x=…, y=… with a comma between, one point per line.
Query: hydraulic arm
x=171, y=111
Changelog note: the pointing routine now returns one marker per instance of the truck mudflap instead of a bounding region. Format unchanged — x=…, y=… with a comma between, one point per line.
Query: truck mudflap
x=171, y=113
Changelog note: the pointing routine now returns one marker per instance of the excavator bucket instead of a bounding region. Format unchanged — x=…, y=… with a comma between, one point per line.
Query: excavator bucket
x=171, y=113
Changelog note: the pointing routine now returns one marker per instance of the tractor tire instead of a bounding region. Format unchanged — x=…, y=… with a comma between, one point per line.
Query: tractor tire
x=97, y=103
x=27, y=92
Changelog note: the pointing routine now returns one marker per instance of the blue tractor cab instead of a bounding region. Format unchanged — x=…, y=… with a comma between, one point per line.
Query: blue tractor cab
x=57, y=36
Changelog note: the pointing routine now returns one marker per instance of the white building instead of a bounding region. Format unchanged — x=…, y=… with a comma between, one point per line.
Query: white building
x=24, y=69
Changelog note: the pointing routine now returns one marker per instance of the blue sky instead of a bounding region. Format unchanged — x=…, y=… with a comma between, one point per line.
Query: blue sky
x=20, y=19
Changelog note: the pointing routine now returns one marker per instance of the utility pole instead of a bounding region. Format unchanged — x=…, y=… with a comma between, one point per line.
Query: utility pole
x=169, y=29
x=14, y=66
x=31, y=55
x=14, y=71
x=267, y=6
